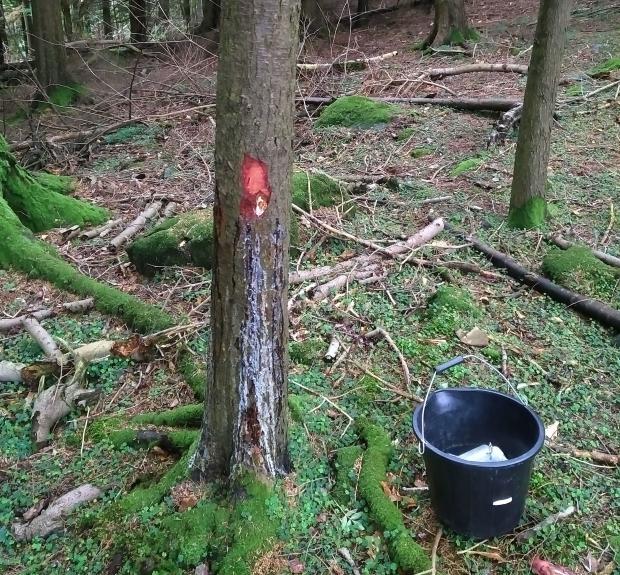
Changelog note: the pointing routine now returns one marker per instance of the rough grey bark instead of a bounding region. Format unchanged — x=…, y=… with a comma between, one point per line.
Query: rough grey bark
x=49, y=46
x=527, y=204
x=245, y=410
x=106, y=17
x=137, y=21
x=449, y=23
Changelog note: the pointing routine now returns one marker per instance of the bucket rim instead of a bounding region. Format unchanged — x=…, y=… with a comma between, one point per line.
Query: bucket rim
x=529, y=454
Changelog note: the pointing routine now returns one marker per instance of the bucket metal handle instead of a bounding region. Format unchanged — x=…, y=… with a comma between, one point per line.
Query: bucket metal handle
x=447, y=365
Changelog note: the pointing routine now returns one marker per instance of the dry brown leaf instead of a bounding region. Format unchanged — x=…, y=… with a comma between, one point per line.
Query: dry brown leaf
x=296, y=566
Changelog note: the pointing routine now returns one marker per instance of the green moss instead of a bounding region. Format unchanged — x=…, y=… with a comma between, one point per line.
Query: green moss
x=458, y=37
x=252, y=527
x=38, y=207
x=64, y=96
x=296, y=407
x=528, y=216
x=194, y=373
x=605, y=68
x=405, y=134
x=466, y=165
x=64, y=185
x=450, y=308
x=134, y=133
x=346, y=458
x=306, y=352
x=405, y=552
x=578, y=269
x=184, y=416
x=421, y=152
x=316, y=188
x=356, y=112
x=178, y=241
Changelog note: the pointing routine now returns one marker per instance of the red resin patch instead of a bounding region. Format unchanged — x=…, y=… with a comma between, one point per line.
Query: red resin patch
x=256, y=191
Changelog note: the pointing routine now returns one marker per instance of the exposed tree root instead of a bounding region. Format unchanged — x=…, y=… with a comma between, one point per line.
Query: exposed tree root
x=51, y=519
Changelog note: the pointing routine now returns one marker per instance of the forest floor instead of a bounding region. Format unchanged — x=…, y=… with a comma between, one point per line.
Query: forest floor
x=566, y=366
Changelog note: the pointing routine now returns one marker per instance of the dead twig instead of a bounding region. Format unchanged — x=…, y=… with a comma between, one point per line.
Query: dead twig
x=385, y=335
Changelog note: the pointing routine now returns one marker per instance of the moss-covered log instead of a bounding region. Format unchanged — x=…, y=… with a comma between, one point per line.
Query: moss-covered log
x=33, y=204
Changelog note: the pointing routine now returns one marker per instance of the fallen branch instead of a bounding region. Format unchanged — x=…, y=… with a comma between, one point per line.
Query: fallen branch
x=591, y=308
x=332, y=350
x=100, y=231
x=358, y=64
x=79, y=306
x=438, y=73
x=149, y=213
x=43, y=338
x=471, y=104
x=551, y=520
x=10, y=371
x=507, y=121
x=386, y=336
x=604, y=257
x=594, y=455
x=52, y=518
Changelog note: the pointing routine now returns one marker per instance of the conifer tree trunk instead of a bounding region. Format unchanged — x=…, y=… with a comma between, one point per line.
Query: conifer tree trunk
x=49, y=45
x=210, y=16
x=449, y=24
x=245, y=410
x=26, y=19
x=106, y=16
x=3, y=37
x=137, y=21
x=66, y=18
x=187, y=13
x=527, y=199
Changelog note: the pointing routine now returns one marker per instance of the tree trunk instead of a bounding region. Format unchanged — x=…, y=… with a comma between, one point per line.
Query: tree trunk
x=245, y=421
x=106, y=16
x=163, y=10
x=527, y=199
x=27, y=27
x=66, y=18
x=49, y=46
x=137, y=21
x=361, y=17
x=449, y=24
x=210, y=16
x=187, y=13
x=3, y=37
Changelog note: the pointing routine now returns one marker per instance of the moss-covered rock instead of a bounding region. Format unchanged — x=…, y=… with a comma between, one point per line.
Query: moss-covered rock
x=356, y=112
x=316, y=189
x=578, y=269
x=178, y=241
x=405, y=552
x=530, y=215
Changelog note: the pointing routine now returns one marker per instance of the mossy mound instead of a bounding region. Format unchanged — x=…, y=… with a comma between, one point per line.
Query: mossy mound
x=134, y=133
x=450, y=308
x=184, y=416
x=346, y=460
x=578, y=269
x=316, y=189
x=64, y=185
x=64, y=96
x=466, y=165
x=356, y=112
x=307, y=352
x=605, y=68
x=405, y=134
x=405, y=552
x=182, y=240
x=421, y=152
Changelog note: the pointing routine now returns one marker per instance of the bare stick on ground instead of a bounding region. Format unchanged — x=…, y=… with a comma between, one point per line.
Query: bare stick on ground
x=385, y=335
x=10, y=371
x=438, y=73
x=52, y=518
x=79, y=306
x=43, y=338
x=594, y=455
x=551, y=520
x=149, y=213
x=100, y=231
x=350, y=64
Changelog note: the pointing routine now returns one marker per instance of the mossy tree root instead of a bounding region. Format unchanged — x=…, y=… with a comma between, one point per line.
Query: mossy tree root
x=409, y=556
x=346, y=460
x=183, y=416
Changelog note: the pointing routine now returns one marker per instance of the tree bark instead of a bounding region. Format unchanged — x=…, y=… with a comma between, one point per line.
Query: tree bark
x=66, y=18
x=49, y=45
x=449, y=23
x=3, y=37
x=27, y=26
x=187, y=13
x=137, y=21
x=361, y=16
x=527, y=200
x=245, y=411
x=106, y=16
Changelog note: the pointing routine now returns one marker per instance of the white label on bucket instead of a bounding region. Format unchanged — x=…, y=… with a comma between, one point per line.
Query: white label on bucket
x=502, y=501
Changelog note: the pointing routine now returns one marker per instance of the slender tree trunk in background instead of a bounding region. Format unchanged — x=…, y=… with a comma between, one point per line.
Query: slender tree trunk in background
x=106, y=16
x=137, y=21
x=49, y=45
x=3, y=37
x=66, y=18
x=361, y=17
x=163, y=10
x=245, y=420
x=449, y=24
x=527, y=199
x=187, y=13
x=27, y=26
x=210, y=16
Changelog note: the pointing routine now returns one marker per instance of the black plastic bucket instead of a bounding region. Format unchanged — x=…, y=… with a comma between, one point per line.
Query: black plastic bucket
x=478, y=499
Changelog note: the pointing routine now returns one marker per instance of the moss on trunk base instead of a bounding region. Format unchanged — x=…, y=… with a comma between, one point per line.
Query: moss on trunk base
x=530, y=215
